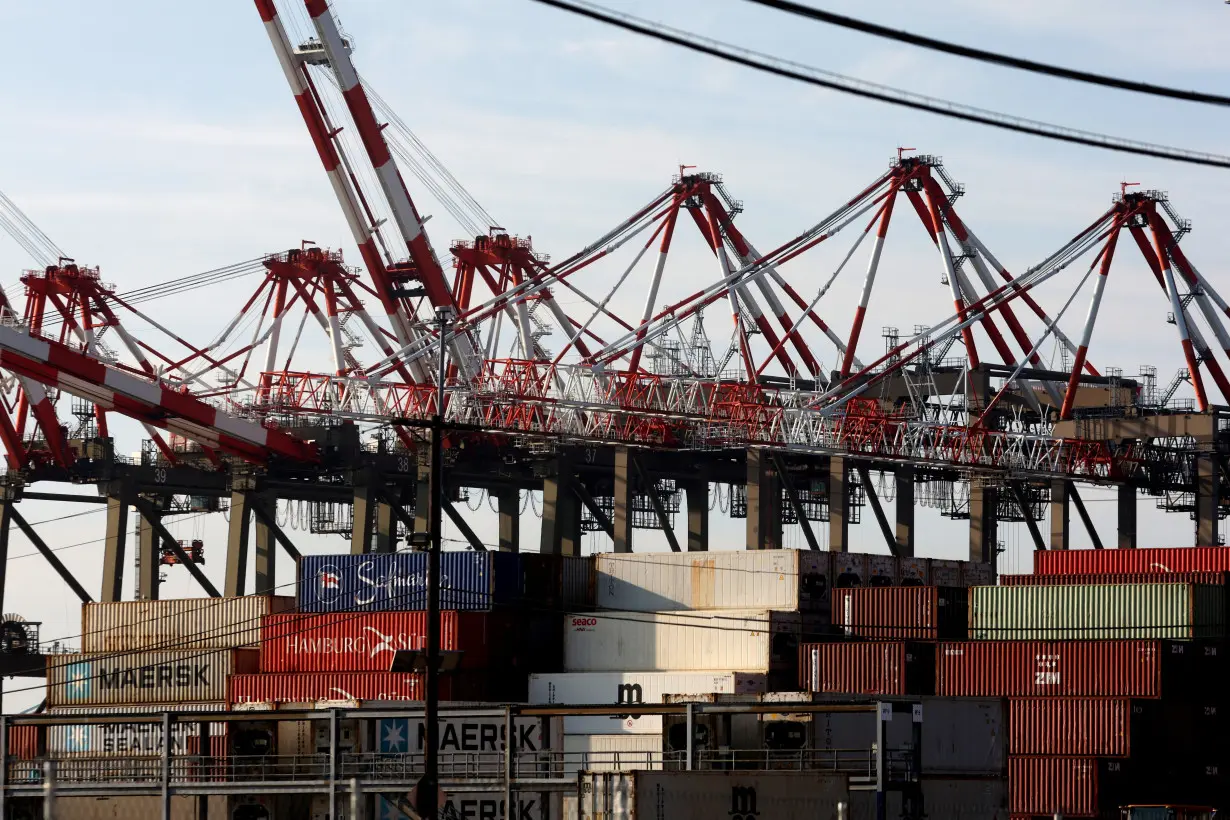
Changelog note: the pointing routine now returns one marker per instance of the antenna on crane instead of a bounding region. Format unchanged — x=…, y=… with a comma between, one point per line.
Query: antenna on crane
x=1123, y=186
x=901, y=150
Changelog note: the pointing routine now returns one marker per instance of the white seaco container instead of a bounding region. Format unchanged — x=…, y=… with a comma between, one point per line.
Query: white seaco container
x=758, y=579
x=705, y=795
x=739, y=640
x=594, y=688
x=180, y=623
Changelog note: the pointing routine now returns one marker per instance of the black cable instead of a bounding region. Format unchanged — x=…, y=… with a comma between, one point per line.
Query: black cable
x=995, y=58
x=887, y=94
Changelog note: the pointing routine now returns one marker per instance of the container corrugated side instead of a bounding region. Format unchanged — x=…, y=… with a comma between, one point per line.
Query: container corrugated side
x=870, y=668
x=303, y=687
x=1097, y=612
x=1034, y=668
x=347, y=642
x=558, y=581
x=1088, y=727
x=187, y=623
x=192, y=676
x=23, y=742
x=1030, y=580
x=104, y=740
x=611, y=753
x=1163, y=559
x=591, y=688
x=756, y=579
x=704, y=795
x=739, y=640
x=1084, y=786
x=397, y=581
x=902, y=613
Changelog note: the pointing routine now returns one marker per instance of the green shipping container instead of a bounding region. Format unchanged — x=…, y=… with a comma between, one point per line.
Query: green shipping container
x=1094, y=612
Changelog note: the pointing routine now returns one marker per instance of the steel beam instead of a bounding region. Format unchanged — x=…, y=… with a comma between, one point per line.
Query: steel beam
x=1208, y=492
x=696, y=494
x=459, y=521
x=1035, y=531
x=237, y=543
x=621, y=533
x=1079, y=503
x=52, y=558
x=267, y=518
x=160, y=529
x=6, y=520
x=1060, y=514
x=509, y=503
x=656, y=503
x=839, y=505
x=764, y=521
x=904, y=479
x=873, y=498
x=114, y=546
x=1126, y=518
x=582, y=493
x=792, y=496
x=983, y=523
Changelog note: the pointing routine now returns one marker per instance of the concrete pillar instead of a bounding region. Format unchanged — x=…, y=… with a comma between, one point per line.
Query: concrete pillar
x=265, y=563
x=113, y=549
x=509, y=501
x=621, y=520
x=237, y=544
x=1061, y=512
x=696, y=494
x=839, y=512
x=422, y=495
x=561, y=512
x=1127, y=517
x=386, y=527
x=149, y=555
x=1208, y=489
x=983, y=522
x=904, y=479
x=764, y=502
x=366, y=499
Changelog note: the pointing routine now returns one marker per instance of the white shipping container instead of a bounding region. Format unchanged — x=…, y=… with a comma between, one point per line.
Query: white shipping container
x=180, y=623
x=757, y=579
x=611, y=753
x=594, y=688
x=705, y=795
x=127, y=739
x=166, y=678
x=739, y=640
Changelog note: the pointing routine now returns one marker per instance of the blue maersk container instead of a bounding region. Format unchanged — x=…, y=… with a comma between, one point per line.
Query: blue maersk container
x=380, y=583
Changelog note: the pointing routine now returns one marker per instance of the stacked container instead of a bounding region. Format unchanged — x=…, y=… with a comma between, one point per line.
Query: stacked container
x=1115, y=672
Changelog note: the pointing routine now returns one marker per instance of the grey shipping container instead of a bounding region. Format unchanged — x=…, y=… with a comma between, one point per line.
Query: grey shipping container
x=1097, y=612
x=705, y=795
x=943, y=799
x=182, y=623
x=145, y=677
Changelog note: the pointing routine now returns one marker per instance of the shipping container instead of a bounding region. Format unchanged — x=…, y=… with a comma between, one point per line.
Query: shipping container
x=302, y=687
x=594, y=688
x=913, y=572
x=23, y=742
x=474, y=735
x=944, y=798
x=739, y=640
x=558, y=581
x=1085, y=787
x=131, y=739
x=1097, y=612
x=479, y=806
x=1163, y=731
x=882, y=571
x=1164, y=559
x=1216, y=578
x=977, y=575
x=753, y=579
x=611, y=753
x=946, y=573
x=397, y=581
x=128, y=808
x=902, y=613
x=177, y=623
x=869, y=668
x=144, y=677
x=850, y=569
x=705, y=795
x=1143, y=669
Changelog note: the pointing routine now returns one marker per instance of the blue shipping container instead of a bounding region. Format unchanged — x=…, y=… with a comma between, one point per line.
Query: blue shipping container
x=398, y=581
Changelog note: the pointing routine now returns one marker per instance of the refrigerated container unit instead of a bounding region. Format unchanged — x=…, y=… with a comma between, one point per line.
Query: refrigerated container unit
x=704, y=795
x=919, y=613
x=1163, y=559
x=882, y=571
x=1097, y=612
x=153, y=677
x=850, y=569
x=913, y=572
x=398, y=581
x=611, y=753
x=595, y=688
x=945, y=573
x=756, y=579
x=177, y=623
x=869, y=668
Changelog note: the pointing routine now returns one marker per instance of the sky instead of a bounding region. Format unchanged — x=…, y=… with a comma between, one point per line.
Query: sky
x=158, y=140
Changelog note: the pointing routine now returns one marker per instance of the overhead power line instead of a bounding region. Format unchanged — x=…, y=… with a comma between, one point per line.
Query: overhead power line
x=875, y=91
x=990, y=56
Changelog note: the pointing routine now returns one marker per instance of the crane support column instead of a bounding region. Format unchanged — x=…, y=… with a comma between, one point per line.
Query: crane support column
x=509, y=502
x=764, y=501
x=904, y=479
x=696, y=491
x=366, y=498
x=236, y=580
x=1061, y=512
x=624, y=491
x=423, y=497
x=983, y=522
x=1127, y=517
x=149, y=556
x=839, y=509
x=386, y=525
x=265, y=560
x=1208, y=489
x=113, y=548
x=561, y=512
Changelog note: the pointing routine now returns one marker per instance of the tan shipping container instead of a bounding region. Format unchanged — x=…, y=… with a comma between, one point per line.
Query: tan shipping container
x=187, y=623
x=144, y=677
x=131, y=808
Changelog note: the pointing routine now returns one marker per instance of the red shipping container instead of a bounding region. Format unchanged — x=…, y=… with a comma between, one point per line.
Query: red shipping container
x=1166, y=559
x=1045, y=786
x=1127, y=668
x=350, y=642
x=308, y=687
x=1214, y=578
x=23, y=742
x=871, y=668
x=903, y=613
x=1090, y=727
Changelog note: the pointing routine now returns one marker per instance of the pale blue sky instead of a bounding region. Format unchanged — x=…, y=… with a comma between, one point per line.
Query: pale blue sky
x=158, y=139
